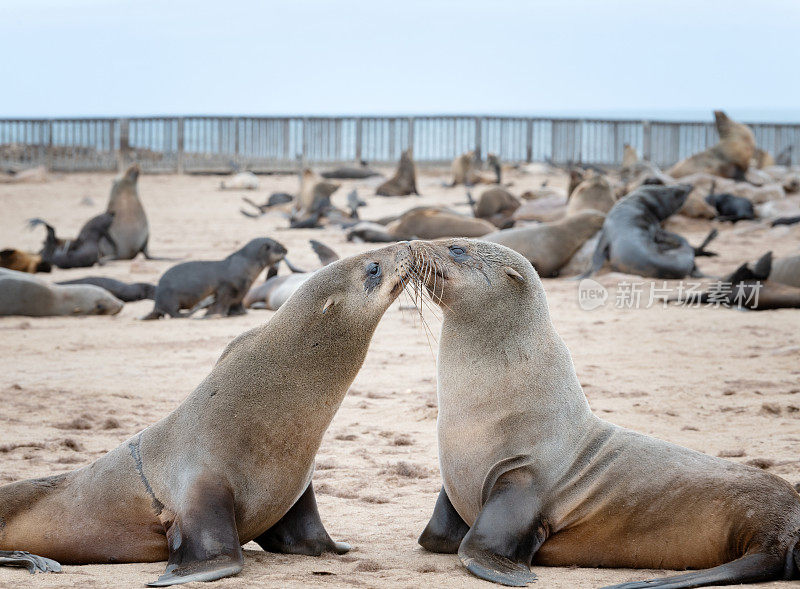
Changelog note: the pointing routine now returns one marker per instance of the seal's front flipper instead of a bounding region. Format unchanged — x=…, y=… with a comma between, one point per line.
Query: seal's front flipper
x=701, y=249
x=752, y=568
x=34, y=564
x=203, y=541
x=507, y=532
x=446, y=529
x=300, y=531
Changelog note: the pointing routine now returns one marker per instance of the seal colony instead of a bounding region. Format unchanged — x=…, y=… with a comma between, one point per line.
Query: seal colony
x=531, y=475
x=201, y=482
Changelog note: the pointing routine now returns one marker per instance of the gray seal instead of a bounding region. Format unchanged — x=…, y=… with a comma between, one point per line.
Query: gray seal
x=24, y=294
x=126, y=292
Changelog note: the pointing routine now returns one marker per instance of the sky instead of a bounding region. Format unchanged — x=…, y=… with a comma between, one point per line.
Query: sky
x=314, y=57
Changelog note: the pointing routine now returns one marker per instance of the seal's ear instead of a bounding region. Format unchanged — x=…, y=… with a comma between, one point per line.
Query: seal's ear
x=328, y=304
x=513, y=274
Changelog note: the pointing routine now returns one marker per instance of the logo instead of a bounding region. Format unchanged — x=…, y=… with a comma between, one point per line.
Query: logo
x=591, y=294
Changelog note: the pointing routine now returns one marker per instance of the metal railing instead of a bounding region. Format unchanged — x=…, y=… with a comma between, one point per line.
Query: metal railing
x=266, y=144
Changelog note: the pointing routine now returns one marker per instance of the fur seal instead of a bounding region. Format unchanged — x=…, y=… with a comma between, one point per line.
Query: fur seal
x=14, y=259
x=762, y=159
x=551, y=245
x=404, y=181
x=786, y=270
x=594, y=193
x=531, y=475
x=464, y=171
x=234, y=461
x=729, y=158
x=129, y=231
x=351, y=173
x=633, y=240
x=240, y=181
x=24, y=294
x=314, y=196
x=729, y=207
x=185, y=285
x=421, y=223
x=125, y=292
x=275, y=199
x=576, y=176
x=83, y=251
x=496, y=204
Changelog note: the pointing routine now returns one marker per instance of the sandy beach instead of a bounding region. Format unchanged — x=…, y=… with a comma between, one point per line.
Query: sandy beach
x=720, y=381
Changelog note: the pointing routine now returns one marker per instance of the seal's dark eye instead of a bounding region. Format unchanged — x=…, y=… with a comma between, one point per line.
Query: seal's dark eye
x=374, y=269
x=457, y=250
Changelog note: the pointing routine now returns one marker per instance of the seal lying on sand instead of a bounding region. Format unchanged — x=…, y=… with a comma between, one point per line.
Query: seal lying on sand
x=351, y=173
x=404, y=181
x=130, y=230
x=23, y=261
x=531, y=475
x=234, y=462
x=786, y=270
x=185, y=285
x=634, y=242
x=593, y=193
x=551, y=245
x=464, y=172
x=276, y=290
x=730, y=207
x=497, y=205
x=748, y=287
x=240, y=181
x=24, y=294
x=82, y=252
x=125, y=292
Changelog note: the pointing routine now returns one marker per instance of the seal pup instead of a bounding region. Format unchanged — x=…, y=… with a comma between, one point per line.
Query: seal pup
x=404, y=181
x=14, y=259
x=633, y=240
x=127, y=293
x=82, y=252
x=729, y=207
x=24, y=294
x=593, y=193
x=130, y=231
x=531, y=475
x=185, y=285
x=234, y=461
x=730, y=158
x=550, y=246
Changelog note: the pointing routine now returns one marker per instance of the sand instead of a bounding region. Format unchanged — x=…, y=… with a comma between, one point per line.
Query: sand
x=715, y=380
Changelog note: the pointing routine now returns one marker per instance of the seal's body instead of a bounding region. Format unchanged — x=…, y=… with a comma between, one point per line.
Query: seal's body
x=594, y=193
x=130, y=230
x=125, y=292
x=532, y=475
x=185, y=285
x=83, y=251
x=14, y=259
x=233, y=462
x=24, y=294
x=786, y=271
x=731, y=208
x=404, y=181
x=550, y=246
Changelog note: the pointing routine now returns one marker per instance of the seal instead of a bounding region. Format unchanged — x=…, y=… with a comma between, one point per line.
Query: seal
x=314, y=196
x=14, y=259
x=404, y=181
x=464, y=171
x=786, y=270
x=730, y=207
x=496, y=204
x=185, y=285
x=421, y=223
x=129, y=231
x=593, y=193
x=531, y=475
x=729, y=158
x=83, y=251
x=234, y=462
x=240, y=181
x=24, y=294
x=125, y=292
x=550, y=246
x=634, y=242
x=351, y=173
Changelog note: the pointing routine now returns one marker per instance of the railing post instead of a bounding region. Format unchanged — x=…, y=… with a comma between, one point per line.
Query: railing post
x=124, y=144
x=529, y=141
x=478, y=131
x=236, y=140
x=48, y=156
x=410, y=133
x=646, y=151
x=181, y=140
x=303, y=154
x=359, y=132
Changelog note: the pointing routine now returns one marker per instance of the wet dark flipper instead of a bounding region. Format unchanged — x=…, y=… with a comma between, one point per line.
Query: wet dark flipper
x=507, y=532
x=701, y=249
x=446, y=529
x=300, y=531
x=203, y=540
x=34, y=564
x=752, y=568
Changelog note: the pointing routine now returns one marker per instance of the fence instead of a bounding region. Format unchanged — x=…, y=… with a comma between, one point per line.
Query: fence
x=265, y=144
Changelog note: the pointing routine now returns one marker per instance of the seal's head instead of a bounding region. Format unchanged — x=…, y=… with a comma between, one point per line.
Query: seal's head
x=264, y=251
x=467, y=275
x=87, y=299
x=663, y=201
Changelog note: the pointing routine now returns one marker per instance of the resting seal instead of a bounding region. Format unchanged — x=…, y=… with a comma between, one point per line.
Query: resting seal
x=786, y=270
x=20, y=261
x=531, y=475
x=23, y=294
x=129, y=231
x=497, y=205
x=233, y=463
x=730, y=207
x=404, y=181
x=550, y=246
x=593, y=193
x=351, y=173
x=634, y=242
x=185, y=285
x=125, y=292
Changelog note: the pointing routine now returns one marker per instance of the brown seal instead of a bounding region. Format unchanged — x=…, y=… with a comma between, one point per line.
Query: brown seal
x=24, y=294
x=786, y=270
x=531, y=475
x=129, y=231
x=404, y=181
x=465, y=172
x=497, y=205
x=14, y=259
x=593, y=193
x=550, y=246
x=233, y=463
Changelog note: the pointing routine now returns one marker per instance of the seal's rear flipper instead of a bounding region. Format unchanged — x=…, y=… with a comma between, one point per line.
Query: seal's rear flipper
x=325, y=254
x=203, y=541
x=34, y=564
x=700, y=250
x=752, y=568
x=293, y=268
x=507, y=532
x=300, y=531
x=446, y=530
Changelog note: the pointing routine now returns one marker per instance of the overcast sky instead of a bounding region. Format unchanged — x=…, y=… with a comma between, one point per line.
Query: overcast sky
x=110, y=57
